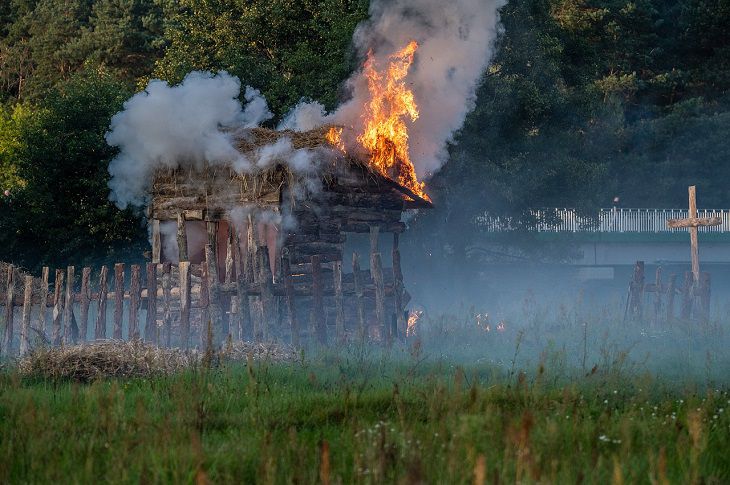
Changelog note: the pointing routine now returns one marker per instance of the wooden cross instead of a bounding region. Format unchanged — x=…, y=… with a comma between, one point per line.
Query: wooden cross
x=693, y=222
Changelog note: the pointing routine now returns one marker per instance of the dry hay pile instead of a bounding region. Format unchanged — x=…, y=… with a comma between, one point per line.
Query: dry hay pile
x=249, y=139
x=18, y=279
x=120, y=359
x=107, y=358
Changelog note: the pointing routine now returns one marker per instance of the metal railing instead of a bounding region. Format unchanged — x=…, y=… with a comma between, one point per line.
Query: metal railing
x=606, y=220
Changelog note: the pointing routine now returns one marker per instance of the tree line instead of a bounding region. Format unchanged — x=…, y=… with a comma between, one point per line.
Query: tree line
x=585, y=101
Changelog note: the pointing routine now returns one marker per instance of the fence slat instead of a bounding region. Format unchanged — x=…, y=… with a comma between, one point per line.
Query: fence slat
x=150, y=331
x=68, y=308
x=9, y=296
x=184, y=304
x=289, y=289
x=85, y=302
x=339, y=306
x=215, y=314
x=317, y=316
x=58, y=307
x=166, y=304
x=118, y=299
x=134, y=295
x=43, y=310
x=100, y=328
x=27, y=308
x=358, y=296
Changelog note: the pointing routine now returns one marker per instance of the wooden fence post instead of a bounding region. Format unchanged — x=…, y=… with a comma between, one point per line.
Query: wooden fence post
x=214, y=303
x=150, y=331
x=27, y=308
x=671, y=291
x=68, y=308
x=687, y=295
x=184, y=267
x=358, y=296
x=118, y=299
x=318, y=323
x=43, y=311
x=637, y=292
x=339, y=306
x=289, y=289
x=242, y=302
x=658, y=296
x=266, y=281
x=134, y=296
x=100, y=328
x=58, y=307
x=9, y=297
x=85, y=302
x=204, y=308
x=166, y=304
x=156, y=242
x=705, y=293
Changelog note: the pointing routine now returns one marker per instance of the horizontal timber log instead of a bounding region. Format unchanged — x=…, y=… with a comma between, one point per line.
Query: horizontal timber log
x=694, y=222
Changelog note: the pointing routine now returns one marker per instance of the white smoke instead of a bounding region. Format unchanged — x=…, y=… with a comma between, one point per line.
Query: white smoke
x=304, y=117
x=171, y=126
x=456, y=41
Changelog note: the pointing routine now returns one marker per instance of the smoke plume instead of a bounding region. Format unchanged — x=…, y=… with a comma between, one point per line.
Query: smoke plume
x=170, y=126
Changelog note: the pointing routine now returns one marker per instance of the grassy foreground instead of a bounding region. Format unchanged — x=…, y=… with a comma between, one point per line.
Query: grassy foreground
x=356, y=418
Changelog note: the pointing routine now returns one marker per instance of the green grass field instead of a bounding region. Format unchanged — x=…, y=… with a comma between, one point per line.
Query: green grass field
x=513, y=407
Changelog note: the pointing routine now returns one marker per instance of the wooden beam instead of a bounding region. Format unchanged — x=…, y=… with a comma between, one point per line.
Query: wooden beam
x=182, y=238
x=9, y=297
x=694, y=222
x=243, y=309
x=266, y=280
x=27, y=308
x=693, y=236
x=150, y=331
x=214, y=303
x=68, y=307
x=100, y=327
x=134, y=300
x=43, y=310
x=118, y=299
x=166, y=304
x=184, y=268
x=289, y=288
x=58, y=308
x=156, y=241
x=85, y=302
x=401, y=323
x=671, y=291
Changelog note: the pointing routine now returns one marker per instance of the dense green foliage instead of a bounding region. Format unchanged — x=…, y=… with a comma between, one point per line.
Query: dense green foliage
x=382, y=422
x=587, y=99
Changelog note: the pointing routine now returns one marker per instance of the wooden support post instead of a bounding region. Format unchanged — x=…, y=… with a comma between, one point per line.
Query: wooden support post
x=167, y=304
x=671, y=292
x=339, y=306
x=693, y=236
x=266, y=282
x=658, y=290
x=85, y=302
x=358, y=296
x=58, y=308
x=9, y=297
x=134, y=299
x=687, y=296
x=252, y=275
x=219, y=329
x=401, y=324
x=150, y=331
x=317, y=316
x=243, y=311
x=27, y=308
x=68, y=308
x=156, y=242
x=184, y=267
x=204, y=303
x=289, y=289
x=636, y=292
x=100, y=328
x=118, y=299
x=182, y=238
x=43, y=310
x=376, y=268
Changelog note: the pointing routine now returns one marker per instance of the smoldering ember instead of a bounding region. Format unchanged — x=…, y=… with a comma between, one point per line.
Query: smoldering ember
x=387, y=241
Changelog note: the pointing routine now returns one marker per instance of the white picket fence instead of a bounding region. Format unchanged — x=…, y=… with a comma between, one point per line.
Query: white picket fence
x=607, y=220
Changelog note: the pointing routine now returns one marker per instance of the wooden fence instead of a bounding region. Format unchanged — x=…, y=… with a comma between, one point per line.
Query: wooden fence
x=171, y=304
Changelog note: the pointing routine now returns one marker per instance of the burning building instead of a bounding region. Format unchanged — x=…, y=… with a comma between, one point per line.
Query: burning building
x=276, y=236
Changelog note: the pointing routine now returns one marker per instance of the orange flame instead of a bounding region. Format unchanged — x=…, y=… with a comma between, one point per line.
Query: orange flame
x=385, y=133
x=413, y=317
x=334, y=137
